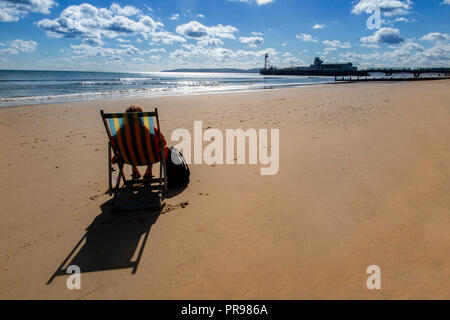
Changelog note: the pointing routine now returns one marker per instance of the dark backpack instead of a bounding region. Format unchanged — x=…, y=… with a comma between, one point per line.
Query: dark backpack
x=177, y=169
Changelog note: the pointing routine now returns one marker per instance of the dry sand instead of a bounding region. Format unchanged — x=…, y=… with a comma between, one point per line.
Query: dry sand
x=364, y=180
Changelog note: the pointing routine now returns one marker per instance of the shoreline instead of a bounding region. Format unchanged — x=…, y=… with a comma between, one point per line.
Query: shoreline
x=276, y=87
x=270, y=87
x=97, y=96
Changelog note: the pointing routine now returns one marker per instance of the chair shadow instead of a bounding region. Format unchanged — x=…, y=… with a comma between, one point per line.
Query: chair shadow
x=112, y=240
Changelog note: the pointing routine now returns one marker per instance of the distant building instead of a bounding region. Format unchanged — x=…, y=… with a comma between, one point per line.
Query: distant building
x=318, y=68
x=328, y=67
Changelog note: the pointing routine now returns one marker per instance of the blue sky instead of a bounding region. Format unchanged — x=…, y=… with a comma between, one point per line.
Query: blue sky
x=154, y=35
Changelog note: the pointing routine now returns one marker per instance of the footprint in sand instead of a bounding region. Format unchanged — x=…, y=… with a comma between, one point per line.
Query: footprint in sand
x=169, y=207
x=93, y=198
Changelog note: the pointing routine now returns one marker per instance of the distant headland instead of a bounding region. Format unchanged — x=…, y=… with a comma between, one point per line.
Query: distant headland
x=217, y=70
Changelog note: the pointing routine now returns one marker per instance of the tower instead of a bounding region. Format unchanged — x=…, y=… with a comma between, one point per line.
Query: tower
x=317, y=61
x=266, y=61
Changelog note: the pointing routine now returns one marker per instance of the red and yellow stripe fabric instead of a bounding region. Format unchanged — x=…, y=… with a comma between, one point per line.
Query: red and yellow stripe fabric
x=134, y=137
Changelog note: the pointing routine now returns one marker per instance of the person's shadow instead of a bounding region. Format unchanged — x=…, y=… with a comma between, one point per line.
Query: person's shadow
x=113, y=241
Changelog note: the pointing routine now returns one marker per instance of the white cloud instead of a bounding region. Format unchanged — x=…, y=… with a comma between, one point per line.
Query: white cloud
x=212, y=56
x=209, y=42
x=88, y=21
x=24, y=46
x=19, y=45
x=131, y=50
x=401, y=19
x=435, y=36
x=93, y=41
x=404, y=52
x=446, y=2
x=416, y=55
x=127, y=11
x=9, y=51
x=85, y=50
x=384, y=35
x=258, y=2
x=148, y=8
x=319, y=26
x=388, y=7
x=438, y=55
x=166, y=37
x=13, y=10
x=155, y=50
x=370, y=45
x=252, y=42
x=200, y=15
x=337, y=44
x=196, y=30
x=369, y=60
x=306, y=37
x=291, y=61
x=407, y=54
x=142, y=61
x=85, y=20
x=175, y=16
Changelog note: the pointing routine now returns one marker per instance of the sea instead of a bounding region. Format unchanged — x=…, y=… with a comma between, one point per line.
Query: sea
x=28, y=87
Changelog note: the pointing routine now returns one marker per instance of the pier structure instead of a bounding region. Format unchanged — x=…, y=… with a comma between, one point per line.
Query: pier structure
x=319, y=68
x=415, y=72
x=390, y=78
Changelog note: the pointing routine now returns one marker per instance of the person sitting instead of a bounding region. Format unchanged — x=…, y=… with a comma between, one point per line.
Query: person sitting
x=135, y=171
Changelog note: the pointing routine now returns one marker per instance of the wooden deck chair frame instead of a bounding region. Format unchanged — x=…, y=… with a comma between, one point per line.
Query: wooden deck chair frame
x=134, y=184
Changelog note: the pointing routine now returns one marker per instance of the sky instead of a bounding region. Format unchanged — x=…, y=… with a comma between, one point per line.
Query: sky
x=155, y=35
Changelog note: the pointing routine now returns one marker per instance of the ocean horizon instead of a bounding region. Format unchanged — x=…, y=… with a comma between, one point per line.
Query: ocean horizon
x=30, y=87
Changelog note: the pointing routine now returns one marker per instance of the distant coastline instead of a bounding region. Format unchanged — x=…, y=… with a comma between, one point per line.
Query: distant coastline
x=216, y=70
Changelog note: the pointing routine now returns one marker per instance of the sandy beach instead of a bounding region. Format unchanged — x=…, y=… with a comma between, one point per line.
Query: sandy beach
x=364, y=179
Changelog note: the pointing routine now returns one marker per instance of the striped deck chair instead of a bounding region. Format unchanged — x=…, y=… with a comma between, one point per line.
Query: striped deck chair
x=132, y=141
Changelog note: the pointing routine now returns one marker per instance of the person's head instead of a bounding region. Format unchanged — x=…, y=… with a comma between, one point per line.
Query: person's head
x=134, y=108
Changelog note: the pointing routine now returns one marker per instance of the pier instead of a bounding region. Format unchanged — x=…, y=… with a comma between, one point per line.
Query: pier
x=347, y=71
x=415, y=72
x=374, y=79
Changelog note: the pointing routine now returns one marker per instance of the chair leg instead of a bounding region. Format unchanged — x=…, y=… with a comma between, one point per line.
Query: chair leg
x=109, y=170
x=165, y=177
x=116, y=189
x=160, y=181
x=114, y=206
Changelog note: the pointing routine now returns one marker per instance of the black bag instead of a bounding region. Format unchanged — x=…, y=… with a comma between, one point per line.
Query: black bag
x=177, y=169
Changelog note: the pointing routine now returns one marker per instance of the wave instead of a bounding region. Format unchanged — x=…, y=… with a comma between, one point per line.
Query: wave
x=147, y=92
x=55, y=88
